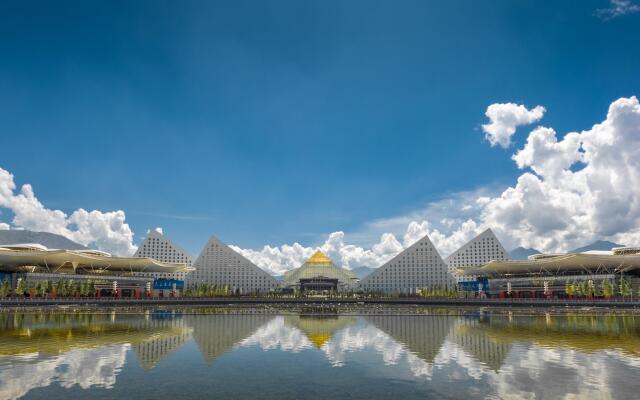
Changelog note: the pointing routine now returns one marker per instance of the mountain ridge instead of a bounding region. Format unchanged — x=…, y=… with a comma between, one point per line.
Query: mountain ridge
x=601, y=245
x=522, y=253
x=363, y=271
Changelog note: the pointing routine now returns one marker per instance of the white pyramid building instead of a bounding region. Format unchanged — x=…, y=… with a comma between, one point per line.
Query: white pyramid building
x=220, y=265
x=155, y=245
x=416, y=267
x=478, y=251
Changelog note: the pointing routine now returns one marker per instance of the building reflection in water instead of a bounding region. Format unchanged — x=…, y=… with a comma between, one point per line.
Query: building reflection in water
x=505, y=356
x=217, y=334
x=168, y=333
x=468, y=334
x=88, y=350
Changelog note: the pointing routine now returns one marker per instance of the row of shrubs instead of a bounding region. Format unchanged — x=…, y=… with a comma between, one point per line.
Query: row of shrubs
x=46, y=288
x=70, y=288
x=207, y=290
x=606, y=288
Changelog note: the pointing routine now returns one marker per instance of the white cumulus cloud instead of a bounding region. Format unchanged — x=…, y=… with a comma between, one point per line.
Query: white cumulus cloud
x=617, y=8
x=545, y=155
x=106, y=231
x=504, y=118
x=583, y=187
x=575, y=189
x=279, y=259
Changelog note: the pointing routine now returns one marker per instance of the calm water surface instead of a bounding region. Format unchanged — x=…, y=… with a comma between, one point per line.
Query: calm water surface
x=174, y=355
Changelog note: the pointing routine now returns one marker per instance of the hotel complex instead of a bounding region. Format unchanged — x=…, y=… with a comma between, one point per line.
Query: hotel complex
x=160, y=268
x=417, y=267
x=478, y=251
x=220, y=265
x=559, y=275
x=156, y=246
x=26, y=265
x=320, y=274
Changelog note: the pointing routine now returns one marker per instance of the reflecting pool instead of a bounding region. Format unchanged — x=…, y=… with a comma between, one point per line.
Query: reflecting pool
x=175, y=354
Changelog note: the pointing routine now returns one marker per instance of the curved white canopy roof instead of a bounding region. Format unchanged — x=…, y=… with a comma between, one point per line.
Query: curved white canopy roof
x=14, y=258
x=555, y=264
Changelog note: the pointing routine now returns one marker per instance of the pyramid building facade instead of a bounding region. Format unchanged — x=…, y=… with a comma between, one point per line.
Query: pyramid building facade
x=478, y=251
x=419, y=266
x=220, y=265
x=319, y=273
x=155, y=245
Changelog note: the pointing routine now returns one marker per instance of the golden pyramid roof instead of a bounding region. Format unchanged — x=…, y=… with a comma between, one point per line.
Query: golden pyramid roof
x=320, y=339
x=319, y=258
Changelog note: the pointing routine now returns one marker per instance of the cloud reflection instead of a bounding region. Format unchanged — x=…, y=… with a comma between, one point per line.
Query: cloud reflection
x=86, y=368
x=479, y=356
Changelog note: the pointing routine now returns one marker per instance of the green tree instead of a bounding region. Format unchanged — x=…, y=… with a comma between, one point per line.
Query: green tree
x=41, y=288
x=575, y=288
x=584, y=288
x=72, y=287
x=625, y=287
x=21, y=286
x=607, y=288
x=5, y=288
x=62, y=289
x=568, y=289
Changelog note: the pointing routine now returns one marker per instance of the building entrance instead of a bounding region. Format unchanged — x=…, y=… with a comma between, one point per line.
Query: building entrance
x=318, y=284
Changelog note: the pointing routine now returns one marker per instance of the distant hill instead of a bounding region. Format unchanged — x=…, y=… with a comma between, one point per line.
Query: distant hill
x=50, y=240
x=279, y=278
x=361, y=272
x=597, y=245
x=521, y=253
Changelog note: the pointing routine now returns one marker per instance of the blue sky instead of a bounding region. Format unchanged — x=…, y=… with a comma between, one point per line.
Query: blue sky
x=283, y=121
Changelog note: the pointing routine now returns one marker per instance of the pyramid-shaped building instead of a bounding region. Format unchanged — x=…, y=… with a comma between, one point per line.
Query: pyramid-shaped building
x=220, y=265
x=419, y=266
x=478, y=251
x=155, y=245
x=320, y=274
